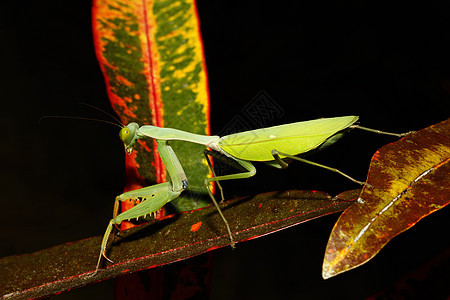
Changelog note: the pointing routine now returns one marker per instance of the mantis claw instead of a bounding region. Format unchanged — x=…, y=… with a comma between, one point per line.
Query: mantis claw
x=104, y=255
x=406, y=133
x=365, y=184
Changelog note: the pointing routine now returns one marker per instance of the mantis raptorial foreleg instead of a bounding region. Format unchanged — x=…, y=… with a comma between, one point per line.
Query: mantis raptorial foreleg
x=147, y=193
x=251, y=171
x=152, y=197
x=276, y=155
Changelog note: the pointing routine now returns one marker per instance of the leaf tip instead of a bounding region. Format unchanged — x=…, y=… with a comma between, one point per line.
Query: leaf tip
x=328, y=270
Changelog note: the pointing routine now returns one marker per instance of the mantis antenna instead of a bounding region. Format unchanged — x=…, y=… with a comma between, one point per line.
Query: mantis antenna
x=117, y=123
x=103, y=111
x=79, y=118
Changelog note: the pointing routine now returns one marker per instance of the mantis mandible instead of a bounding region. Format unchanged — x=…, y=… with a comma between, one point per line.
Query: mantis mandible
x=271, y=145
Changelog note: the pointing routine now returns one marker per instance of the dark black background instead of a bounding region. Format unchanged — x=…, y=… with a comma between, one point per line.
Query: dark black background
x=386, y=62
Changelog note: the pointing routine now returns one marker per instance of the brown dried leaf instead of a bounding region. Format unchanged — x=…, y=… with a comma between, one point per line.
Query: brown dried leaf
x=410, y=180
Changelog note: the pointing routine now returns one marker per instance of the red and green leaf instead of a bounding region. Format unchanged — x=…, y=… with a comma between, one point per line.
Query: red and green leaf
x=151, y=55
x=410, y=180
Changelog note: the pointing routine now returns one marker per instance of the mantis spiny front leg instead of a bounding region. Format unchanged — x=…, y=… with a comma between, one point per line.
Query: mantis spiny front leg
x=154, y=197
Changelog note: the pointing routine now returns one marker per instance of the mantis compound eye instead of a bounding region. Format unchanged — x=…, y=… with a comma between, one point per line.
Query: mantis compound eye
x=126, y=136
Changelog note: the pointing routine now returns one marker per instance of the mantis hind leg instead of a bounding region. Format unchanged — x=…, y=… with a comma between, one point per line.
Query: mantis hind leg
x=154, y=197
x=381, y=132
x=250, y=171
x=276, y=155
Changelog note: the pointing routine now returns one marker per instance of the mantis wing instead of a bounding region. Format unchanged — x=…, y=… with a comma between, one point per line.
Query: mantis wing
x=293, y=139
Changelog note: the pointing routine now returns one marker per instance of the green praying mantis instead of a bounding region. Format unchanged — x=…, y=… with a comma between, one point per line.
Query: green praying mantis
x=272, y=145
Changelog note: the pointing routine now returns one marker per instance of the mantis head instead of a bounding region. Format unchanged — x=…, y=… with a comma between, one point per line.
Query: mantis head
x=128, y=136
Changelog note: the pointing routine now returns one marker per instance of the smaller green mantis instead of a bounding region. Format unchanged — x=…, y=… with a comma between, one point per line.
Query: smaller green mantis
x=272, y=145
